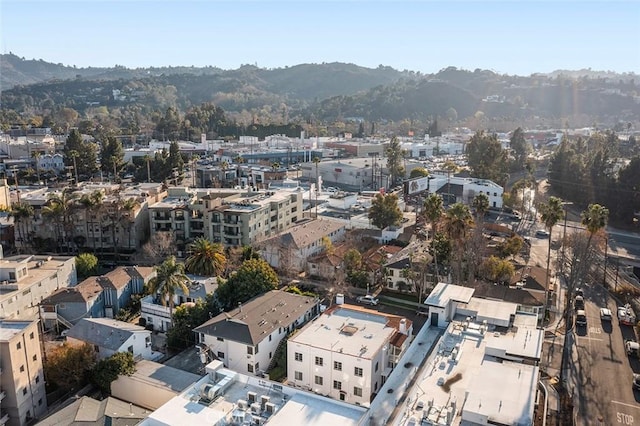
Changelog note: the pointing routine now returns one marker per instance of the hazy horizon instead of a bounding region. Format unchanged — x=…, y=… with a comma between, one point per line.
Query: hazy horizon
x=508, y=37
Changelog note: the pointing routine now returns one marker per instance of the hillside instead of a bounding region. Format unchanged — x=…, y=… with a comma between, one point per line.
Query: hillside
x=326, y=91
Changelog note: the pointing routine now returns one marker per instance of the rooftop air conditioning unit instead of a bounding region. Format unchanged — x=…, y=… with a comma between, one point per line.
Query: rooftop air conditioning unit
x=251, y=397
x=207, y=391
x=270, y=408
x=242, y=404
x=263, y=401
x=255, y=408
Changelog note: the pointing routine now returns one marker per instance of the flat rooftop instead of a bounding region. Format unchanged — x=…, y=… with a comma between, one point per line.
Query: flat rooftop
x=444, y=292
x=232, y=406
x=9, y=329
x=356, y=332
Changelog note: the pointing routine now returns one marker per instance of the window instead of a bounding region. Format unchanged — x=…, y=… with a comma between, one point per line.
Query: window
x=220, y=339
x=24, y=391
x=35, y=357
x=31, y=335
x=298, y=375
x=269, y=337
x=22, y=368
x=337, y=365
x=357, y=391
x=220, y=355
x=249, y=350
x=376, y=366
x=19, y=346
x=298, y=356
x=250, y=368
x=357, y=371
x=337, y=385
x=319, y=361
x=318, y=380
x=37, y=379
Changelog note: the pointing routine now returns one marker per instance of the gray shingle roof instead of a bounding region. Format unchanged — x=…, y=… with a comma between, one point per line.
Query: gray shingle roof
x=258, y=317
x=104, y=332
x=307, y=233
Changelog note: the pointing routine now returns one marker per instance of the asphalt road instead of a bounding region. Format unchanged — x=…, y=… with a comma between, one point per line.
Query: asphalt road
x=600, y=372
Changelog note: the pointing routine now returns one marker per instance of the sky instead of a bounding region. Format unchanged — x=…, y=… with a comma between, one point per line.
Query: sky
x=509, y=37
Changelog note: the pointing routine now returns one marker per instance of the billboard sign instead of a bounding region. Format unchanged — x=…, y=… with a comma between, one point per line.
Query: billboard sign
x=414, y=186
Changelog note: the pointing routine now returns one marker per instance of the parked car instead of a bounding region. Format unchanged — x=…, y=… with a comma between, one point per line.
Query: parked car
x=581, y=318
x=632, y=348
x=542, y=233
x=605, y=314
x=636, y=381
x=579, y=292
x=579, y=303
x=367, y=300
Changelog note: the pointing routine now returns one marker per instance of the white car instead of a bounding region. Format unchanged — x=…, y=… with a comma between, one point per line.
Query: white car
x=542, y=233
x=367, y=300
x=605, y=314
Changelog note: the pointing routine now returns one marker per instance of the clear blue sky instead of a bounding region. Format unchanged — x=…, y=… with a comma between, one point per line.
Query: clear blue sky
x=511, y=37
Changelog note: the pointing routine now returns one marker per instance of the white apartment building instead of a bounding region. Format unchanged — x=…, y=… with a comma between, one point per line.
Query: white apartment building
x=22, y=394
x=347, y=353
x=246, y=339
x=463, y=190
x=25, y=280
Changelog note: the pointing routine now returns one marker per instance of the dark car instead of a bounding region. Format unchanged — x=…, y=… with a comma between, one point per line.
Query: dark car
x=579, y=303
x=636, y=381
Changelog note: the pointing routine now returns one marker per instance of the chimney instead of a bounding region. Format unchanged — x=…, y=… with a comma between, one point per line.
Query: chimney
x=403, y=326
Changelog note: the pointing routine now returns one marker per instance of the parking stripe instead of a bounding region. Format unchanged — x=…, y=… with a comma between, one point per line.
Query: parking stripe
x=625, y=404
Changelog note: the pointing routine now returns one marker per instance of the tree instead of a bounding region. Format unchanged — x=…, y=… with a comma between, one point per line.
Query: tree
x=457, y=221
x=551, y=213
x=352, y=260
x=480, y=204
x=169, y=279
x=486, y=158
x=59, y=208
x=160, y=246
x=87, y=154
x=316, y=161
x=67, y=367
x=36, y=157
x=22, y=213
x=112, y=156
x=497, y=270
x=395, y=160
x=107, y=370
x=594, y=218
x=188, y=316
x=253, y=278
x=520, y=147
x=205, y=258
x=511, y=246
x=86, y=265
x=176, y=162
x=384, y=211
x=418, y=172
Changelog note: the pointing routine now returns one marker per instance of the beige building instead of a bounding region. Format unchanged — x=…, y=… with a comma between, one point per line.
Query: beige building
x=229, y=216
x=25, y=280
x=22, y=393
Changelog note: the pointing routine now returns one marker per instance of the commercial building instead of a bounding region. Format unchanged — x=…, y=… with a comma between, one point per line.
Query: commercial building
x=347, y=353
x=245, y=339
x=22, y=394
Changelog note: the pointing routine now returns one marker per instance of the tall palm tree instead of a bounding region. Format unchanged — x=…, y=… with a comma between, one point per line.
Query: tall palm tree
x=22, y=213
x=594, y=218
x=552, y=211
x=169, y=278
x=433, y=209
x=147, y=159
x=457, y=220
x=481, y=205
x=60, y=207
x=316, y=161
x=205, y=258
x=127, y=216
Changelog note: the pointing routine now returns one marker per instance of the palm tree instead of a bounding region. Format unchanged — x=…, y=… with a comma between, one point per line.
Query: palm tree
x=316, y=161
x=433, y=209
x=127, y=216
x=22, y=212
x=60, y=207
x=594, y=218
x=552, y=212
x=205, y=258
x=457, y=220
x=169, y=278
x=481, y=205
x=147, y=159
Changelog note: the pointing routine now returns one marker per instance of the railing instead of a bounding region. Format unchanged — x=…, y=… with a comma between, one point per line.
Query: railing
x=2, y=395
x=64, y=321
x=4, y=418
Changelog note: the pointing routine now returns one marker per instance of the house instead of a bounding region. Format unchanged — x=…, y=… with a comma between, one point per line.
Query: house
x=95, y=297
x=86, y=410
x=108, y=336
x=415, y=258
x=347, y=353
x=246, y=339
x=22, y=393
x=290, y=250
x=157, y=315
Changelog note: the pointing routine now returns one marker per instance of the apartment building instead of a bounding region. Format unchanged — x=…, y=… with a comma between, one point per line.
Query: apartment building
x=22, y=392
x=25, y=280
x=229, y=216
x=347, y=353
x=246, y=339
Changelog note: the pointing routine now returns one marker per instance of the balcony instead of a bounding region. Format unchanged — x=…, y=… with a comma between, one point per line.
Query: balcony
x=2, y=395
x=4, y=417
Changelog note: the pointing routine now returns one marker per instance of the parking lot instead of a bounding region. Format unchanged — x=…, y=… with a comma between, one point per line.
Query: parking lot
x=601, y=373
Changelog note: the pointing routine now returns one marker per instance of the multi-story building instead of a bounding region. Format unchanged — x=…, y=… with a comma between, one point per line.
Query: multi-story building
x=347, y=353
x=25, y=280
x=245, y=340
x=230, y=216
x=455, y=189
x=22, y=393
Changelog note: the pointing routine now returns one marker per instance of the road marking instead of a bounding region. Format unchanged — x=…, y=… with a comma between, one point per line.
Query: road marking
x=589, y=338
x=625, y=404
